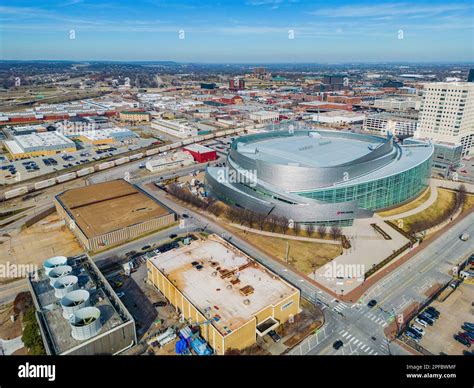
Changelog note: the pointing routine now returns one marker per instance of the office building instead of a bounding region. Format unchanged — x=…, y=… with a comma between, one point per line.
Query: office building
x=447, y=114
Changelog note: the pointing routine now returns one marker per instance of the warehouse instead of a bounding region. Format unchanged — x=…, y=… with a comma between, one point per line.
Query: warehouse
x=107, y=136
x=39, y=144
x=229, y=295
x=111, y=213
x=200, y=153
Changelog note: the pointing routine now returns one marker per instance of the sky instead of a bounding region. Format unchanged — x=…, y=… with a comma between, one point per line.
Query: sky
x=245, y=31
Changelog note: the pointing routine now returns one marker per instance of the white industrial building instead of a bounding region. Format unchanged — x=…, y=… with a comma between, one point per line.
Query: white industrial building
x=447, y=114
x=383, y=123
x=338, y=117
x=396, y=103
x=264, y=116
x=177, y=128
x=178, y=159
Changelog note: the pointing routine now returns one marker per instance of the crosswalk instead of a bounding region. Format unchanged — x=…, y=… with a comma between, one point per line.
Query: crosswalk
x=377, y=319
x=356, y=346
x=340, y=307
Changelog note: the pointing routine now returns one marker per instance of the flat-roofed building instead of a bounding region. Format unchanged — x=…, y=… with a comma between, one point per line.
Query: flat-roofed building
x=106, y=328
x=111, y=213
x=177, y=128
x=264, y=116
x=107, y=136
x=39, y=144
x=134, y=116
x=175, y=160
x=384, y=123
x=228, y=294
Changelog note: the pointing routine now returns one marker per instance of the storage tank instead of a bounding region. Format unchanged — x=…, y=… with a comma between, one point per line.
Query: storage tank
x=85, y=323
x=53, y=262
x=58, y=272
x=73, y=301
x=64, y=285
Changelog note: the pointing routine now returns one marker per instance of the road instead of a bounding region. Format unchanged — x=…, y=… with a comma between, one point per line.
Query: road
x=405, y=285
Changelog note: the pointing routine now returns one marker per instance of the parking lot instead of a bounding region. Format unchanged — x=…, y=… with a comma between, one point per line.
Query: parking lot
x=16, y=171
x=454, y=311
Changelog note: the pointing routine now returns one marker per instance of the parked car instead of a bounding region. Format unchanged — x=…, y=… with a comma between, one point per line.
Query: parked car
x=421, y=322
x=413, y=336
x=418, y=329
x=462, y=340
x=144, y=248
x=433, y=311
x=468, y=329
x=274, y=336
x=466, y=337
x=173, y=235
x=372, y=303
x=414, y=332
x=121, y=294
x=338, y=344
x=160, y=304
x=430, y=315
x=427, y=319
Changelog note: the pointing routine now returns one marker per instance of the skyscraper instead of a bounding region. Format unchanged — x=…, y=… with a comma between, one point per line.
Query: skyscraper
x=447, y=114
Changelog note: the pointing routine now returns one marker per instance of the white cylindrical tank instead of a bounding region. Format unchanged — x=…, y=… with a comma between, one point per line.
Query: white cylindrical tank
x=64, y=285
x=59, y=272
x=52, y=262
x=73, y=301
x=85, y=323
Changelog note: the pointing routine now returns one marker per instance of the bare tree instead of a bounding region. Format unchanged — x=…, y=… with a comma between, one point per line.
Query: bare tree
x=261, y=220
x=322, y=231
x=272, y=223
x=309, y=230
x=283, y=224
x=296, y=228
x=335, y=232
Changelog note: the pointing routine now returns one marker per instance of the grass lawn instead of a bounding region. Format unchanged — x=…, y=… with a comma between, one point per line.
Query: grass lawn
x=422, y=198
x=469, y=203
x=303, y=256
x=443, y=204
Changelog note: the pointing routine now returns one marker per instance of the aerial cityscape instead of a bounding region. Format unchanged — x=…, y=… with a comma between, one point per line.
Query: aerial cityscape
x=260, y=178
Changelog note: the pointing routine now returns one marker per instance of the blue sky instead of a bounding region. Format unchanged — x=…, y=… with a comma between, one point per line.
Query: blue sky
x=238, y=31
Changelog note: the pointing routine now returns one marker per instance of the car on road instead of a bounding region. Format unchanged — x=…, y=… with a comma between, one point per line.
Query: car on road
x=173, y=235
x=372, y=303
x=421, y=322
x=121, y=294
x=462, y=340
x=117, y=284
x=160, y=304
x=274, y=336
x=338, y=344
x=145, y=247
x=464, y=236
x=184, y=215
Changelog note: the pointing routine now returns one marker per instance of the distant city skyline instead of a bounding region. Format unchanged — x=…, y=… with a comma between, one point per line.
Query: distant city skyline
x=251, y=31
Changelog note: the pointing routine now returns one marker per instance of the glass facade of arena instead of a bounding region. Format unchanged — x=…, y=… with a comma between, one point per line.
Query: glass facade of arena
x=380, y=193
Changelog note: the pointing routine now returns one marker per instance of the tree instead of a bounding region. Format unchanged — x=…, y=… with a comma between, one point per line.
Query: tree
x=322, y=231
x=283, y=224
x=335, y=232
x=309, y=230
x=261, y=220
x=22, y=302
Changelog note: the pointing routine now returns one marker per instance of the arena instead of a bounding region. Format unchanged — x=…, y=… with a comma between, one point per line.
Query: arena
x=320, y=177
